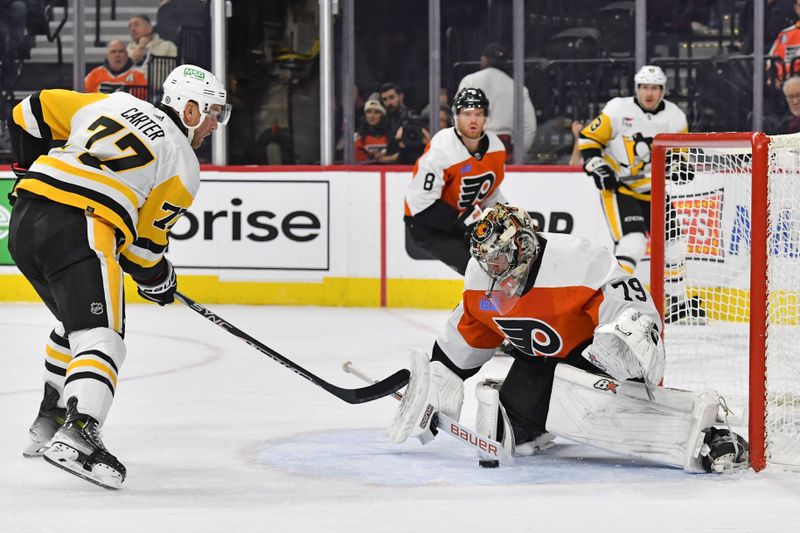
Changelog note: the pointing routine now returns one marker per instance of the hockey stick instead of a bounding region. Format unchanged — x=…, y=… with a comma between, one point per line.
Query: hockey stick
x=377, y=390
x=487, y=448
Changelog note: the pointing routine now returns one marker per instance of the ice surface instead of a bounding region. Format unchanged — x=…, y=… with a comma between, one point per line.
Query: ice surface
x=219, y=438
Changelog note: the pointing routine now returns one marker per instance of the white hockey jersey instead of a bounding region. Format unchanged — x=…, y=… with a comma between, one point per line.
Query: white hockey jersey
x=447, y=171
x=625, y=131
x=574, y=287
x=124, y=160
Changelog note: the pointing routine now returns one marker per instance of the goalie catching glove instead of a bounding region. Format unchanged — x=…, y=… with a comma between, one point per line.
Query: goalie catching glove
x=604, y=176
x=630, y=347
x=161, y=289
x=432, y=388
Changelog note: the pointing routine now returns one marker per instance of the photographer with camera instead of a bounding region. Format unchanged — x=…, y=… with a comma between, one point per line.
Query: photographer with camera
x=458, y=175
x=407, y=132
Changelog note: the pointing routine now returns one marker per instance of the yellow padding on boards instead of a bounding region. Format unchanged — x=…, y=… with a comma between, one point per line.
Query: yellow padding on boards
x=334, y=292
x=724, y=304
x=424, y=293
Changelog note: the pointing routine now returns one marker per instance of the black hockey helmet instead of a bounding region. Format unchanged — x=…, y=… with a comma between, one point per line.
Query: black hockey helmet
x=470, y=97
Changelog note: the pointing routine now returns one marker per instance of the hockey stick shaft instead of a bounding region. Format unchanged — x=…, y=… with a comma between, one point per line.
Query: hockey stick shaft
x=487, y=448
x=365, y=394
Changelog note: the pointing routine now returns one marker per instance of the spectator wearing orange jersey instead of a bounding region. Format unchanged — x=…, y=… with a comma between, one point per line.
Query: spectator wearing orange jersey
x=371, y=137
x=787, y=47
x=116, y=71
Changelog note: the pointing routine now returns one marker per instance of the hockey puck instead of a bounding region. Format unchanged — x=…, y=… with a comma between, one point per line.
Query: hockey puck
x=489, y=463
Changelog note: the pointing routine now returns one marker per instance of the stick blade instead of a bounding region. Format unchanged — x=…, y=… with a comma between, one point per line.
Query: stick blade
x=377, y=390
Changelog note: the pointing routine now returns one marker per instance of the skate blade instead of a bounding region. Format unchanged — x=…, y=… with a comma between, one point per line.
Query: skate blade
x=68, y=458
x=35, y=449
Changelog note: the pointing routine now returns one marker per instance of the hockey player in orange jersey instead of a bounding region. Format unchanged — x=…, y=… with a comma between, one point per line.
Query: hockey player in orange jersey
x=589, y=356
x=458, y=175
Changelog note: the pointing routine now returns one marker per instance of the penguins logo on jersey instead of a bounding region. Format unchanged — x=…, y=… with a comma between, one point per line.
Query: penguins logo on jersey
x=530, y=336
x=638, y=149
x=474, y=189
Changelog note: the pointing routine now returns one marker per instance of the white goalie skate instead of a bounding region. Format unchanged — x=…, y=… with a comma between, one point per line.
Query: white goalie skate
x=77, y=448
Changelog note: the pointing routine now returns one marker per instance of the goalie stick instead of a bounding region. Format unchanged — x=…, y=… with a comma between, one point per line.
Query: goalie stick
x=378, y=389
x=487, y=448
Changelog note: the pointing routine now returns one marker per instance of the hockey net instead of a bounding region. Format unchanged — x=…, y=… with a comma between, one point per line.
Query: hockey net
x=727, y=238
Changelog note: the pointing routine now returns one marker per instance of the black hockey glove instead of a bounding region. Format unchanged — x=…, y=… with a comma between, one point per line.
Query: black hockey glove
x=680, y=172
x=162, y=290
x=604, y=176
x=18, y=170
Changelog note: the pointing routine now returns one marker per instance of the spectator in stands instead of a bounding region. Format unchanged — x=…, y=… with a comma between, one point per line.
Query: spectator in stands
x=445, y=118
x=116, y=71
x=445, y=115
x=778, y=14
x=145, y=42
x=15, y=16
x=172, y=14
x=499, y=89
x=791, y=90
x=575, y=159
x=787, y=47
x=407, y=132
x=371, y=137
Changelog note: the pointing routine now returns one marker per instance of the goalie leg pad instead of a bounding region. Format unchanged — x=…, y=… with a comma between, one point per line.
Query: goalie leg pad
x=618, y=417
x=491, y=420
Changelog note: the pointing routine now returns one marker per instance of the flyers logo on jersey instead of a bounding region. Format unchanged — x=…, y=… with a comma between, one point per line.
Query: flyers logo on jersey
x=475, y=188
x=531, y=336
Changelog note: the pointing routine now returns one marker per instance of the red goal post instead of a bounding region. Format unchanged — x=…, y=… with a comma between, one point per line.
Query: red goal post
x=714, y=149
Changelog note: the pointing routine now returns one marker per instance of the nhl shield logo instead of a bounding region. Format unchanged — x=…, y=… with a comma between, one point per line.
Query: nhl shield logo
x=96, y=308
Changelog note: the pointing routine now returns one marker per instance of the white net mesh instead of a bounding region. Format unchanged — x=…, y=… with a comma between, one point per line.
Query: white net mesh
x=707, y=282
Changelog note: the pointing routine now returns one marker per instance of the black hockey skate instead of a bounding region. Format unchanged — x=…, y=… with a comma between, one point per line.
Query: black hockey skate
x=50, y=418
x=724, y=451
x=76, y=447
x=685, y=311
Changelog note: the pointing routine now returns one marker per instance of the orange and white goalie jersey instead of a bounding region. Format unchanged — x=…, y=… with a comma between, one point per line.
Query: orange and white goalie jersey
x=447, y=171
x=124, y=161
x=574, y=287
x=625, y=132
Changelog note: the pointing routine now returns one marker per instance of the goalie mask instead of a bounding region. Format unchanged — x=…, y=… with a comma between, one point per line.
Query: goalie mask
x=191, y=83
x=505, y=245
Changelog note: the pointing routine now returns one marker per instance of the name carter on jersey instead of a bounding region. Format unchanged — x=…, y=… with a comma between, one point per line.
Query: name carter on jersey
x=144, y=123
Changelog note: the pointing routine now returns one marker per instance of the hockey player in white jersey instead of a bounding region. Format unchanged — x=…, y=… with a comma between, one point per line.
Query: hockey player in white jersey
x=589, y=356
x=87, y=212
x=458, y=175
x=615, y=148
